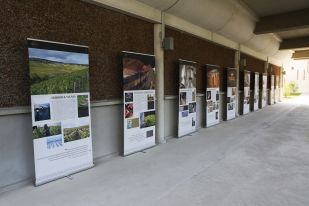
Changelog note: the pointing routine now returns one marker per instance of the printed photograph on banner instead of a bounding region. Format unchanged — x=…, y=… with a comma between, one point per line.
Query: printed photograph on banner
x=187, y=76
x=132, y=123
x=246, y=79
x=128, y=97
x=184, y=113
x=83, y=106
x=231, y=77
x=213, y=78
x=54, y=142
x=193, y=96
x=233, y=91
x=147, y=119
x=138, y=72
x=150, y=101
x=208, y=95
x=56, y=72
x=46, y=130
x=183, y=108
x=76, y=133
x=192, y=107
x=128, y=110
x=182, y=98
x=41, y=108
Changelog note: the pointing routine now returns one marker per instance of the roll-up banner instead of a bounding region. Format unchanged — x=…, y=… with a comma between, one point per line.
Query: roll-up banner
x=272, y=90
x=61, y=123
x=139, y=101
x=246, y=103
x=212, y=95
x=187, y=98
x=256, y=92
x=277, y=88
x=231, y=93
x=264, y=91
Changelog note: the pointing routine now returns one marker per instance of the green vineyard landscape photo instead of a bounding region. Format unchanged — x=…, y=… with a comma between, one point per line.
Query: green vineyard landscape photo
x=76, y=133
x=48, y=77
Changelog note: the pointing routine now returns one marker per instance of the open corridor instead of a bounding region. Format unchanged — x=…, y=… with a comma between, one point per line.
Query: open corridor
x=259, y=159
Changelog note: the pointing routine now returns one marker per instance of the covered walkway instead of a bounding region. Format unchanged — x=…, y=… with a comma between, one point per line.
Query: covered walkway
x=259, y=159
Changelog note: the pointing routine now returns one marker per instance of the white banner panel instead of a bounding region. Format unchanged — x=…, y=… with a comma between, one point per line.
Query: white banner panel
x=272, y=90
x=246, y=103
x=264, y=91
x=256, y=92
x=60, y=100
x=231, y=93
x=277, y=89
x=139, y=101
x=187, y=98
x=212, y=96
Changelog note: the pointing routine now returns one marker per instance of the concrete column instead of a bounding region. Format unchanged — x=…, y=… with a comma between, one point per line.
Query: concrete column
x=159, y=53
x=236, y=65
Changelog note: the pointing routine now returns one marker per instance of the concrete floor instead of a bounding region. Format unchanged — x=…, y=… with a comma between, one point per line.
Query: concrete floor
x=259, y=159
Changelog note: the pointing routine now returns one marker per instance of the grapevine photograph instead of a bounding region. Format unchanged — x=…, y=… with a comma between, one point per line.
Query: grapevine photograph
x=46, y=130
x=56, y=72
x=148, y=119
x=138, y=72
x=83, y=107
x=76, y=133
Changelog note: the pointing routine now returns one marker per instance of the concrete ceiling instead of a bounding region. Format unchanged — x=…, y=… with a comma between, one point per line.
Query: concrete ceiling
x=294, y=33
x=288, y=19
x=229, y=18
x=271, y=7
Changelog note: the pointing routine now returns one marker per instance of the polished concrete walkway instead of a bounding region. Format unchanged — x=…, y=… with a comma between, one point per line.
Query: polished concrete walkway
x=261, y=159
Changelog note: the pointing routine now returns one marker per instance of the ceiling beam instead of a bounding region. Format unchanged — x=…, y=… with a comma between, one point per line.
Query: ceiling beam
x=283, y=22
x=295, y=43
x=301, y=54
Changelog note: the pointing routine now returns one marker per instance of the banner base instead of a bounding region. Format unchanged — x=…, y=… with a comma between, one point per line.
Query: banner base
x=136, y=151
x=36, y=183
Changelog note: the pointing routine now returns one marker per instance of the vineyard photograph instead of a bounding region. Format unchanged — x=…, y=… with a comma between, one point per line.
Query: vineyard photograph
x=83, y=107
x=76, y=133
x=46, y=130
x=56, y=72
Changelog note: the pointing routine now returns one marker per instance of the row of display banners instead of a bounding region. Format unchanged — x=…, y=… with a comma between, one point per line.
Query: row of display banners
x=60, y=104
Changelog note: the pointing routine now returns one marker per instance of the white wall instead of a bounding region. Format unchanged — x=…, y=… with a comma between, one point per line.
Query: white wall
x=298, y=71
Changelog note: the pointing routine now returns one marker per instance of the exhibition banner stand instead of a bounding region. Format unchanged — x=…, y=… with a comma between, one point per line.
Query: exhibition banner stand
x=272, y=90
x=61, y=123
x=231, y=81
x=264, y=90
x=212, y=95
x=246, y=95
x=187, y=98
x=139, y=101
x=277, y=89
x=256, y=92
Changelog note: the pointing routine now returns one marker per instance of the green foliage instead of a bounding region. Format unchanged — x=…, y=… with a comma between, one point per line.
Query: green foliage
x=76, y=133
x=150, y=120
x=291, y=89
x=39, y=131
x=48, y=78
x=72, y=83
x=82, y=100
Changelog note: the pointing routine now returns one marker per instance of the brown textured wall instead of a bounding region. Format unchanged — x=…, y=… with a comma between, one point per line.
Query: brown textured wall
x=276, y=70
x=253, y=64
x=105, y=32
x=191, y=48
